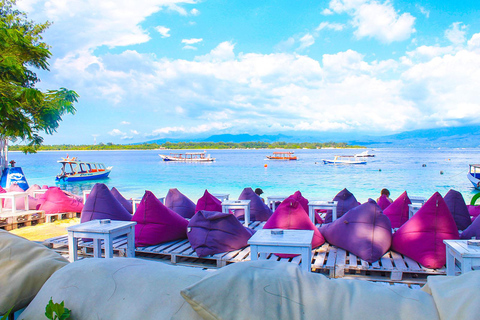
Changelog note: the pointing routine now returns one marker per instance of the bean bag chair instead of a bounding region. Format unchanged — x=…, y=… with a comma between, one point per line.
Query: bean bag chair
x=208, y=203
x=346, y=201
x=156, y=223
x=101, y=204
x=474, y=211
x=473, y=230
x=179, y=203
x=20, y=202
x=397, y=212
x=212, y=232
x=458, y=209
x=45, y=186
x=124, y=202
x=73, y=196
x=383, y=202
x=33, y=188
x=291, y=215
x=2, y=191
x=421, y=237
x=56, y=201
x=259, y=211
x=364, y=231
x=304, y=203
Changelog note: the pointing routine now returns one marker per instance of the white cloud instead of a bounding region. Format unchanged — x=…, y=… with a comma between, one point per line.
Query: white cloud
x=327, y=12
x=125, y=122
x=192, y=41
x=306, y=41
x=116, y=132
x=194, y=12
x=424, y=11
x=189, y=48
x=330, y=26
x=223, y=52
x=164, y=31
x=456, y=33
x=474, y=42
x=192, y=130
x=135, y=132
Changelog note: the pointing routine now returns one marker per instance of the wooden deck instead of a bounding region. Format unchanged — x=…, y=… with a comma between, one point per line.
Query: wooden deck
x=22, y=218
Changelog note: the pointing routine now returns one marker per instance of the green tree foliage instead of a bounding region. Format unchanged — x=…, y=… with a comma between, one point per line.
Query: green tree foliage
x=25, y=111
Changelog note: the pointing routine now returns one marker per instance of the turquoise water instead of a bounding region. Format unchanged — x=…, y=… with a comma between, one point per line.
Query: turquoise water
x=395, y=169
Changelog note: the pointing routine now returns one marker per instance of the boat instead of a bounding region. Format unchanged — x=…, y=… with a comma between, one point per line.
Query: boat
x=188, y=157
x=282, y=156
x=74, y=169
x=363, y=154
x=474, y=175
x=345, y=160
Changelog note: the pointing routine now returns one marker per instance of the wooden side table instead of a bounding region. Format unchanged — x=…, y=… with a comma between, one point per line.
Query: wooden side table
x=13, y=196
x=319, y=204
x=238, y=204
x=467, y=256
x=221, y=196
x=273, y=200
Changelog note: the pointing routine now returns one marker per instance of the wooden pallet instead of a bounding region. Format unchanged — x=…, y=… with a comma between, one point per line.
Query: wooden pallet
x=22, y=218
x=51, y=217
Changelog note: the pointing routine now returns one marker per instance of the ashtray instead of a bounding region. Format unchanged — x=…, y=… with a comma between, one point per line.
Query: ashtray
x=473, y=243
x=105, y=221
x=276, y=232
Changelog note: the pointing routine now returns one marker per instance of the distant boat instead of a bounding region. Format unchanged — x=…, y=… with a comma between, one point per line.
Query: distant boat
x=188, y=157
x=365, y=153
x=474, y=175
x=344, y=160
x=282, y=156
x=77, y=170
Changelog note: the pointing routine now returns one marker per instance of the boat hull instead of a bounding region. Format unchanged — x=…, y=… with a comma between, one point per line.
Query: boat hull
x=84, y=176
x=281, y=158
x=168, y=158
x=474, y=181
x=343, y=162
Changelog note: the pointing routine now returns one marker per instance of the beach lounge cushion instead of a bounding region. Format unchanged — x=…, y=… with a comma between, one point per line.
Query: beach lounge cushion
x=474, y=211
x=120, y=198
x=259, y=211
x=383, y=202
x=114, y=289
x=156, y=223
x=208, y=203
x=24, y=268
x=397, y=212
x=211, y=232
x=280, y=290
x=180, y=203
x=54, y=200
x=101, y=204
x=364, y=231
x=345, y=201
x=473, y=230
x=458, y=208
x=421, y=237
x=20, y=202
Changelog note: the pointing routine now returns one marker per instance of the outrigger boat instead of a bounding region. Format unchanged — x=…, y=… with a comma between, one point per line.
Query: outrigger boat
x=365, y=153
x=188, y=157
x=77, y=170
x=282, y=156
x=345, y=160
x=474, y=175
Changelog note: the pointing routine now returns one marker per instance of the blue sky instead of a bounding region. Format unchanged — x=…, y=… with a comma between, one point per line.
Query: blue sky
x=177, y=69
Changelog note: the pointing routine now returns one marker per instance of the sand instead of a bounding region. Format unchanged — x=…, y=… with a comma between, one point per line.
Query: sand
x=43, y=231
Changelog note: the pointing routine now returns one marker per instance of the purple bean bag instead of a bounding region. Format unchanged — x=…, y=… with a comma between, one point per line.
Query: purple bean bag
x=290, y=215
x=383, y=202
x=179, y=203
x=259, y=211
x=212, y=232
x=474, y=211
x=364, y=231
x=458, y=209
x=156, y=223
x=208, y=203
x=346, y=201
x=124, y=202
x=421, y=237
x=101, y=204
x=56, y=201
x=473, y=230
x=397, y=212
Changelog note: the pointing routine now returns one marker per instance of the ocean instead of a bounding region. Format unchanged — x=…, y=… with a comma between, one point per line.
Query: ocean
x=419, y=171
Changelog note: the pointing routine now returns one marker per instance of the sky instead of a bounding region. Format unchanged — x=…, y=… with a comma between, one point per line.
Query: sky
x=179, y=69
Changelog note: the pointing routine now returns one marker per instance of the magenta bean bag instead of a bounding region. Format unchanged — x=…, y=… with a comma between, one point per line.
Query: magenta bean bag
x=74, y=196
x=397, y=212
x=33, y=188
x=304, y=203
x=364, y=231
x=208, y=203
x=56, y=201
x=458, y=209
x=156, y=223
x=101, y=204
x=259, y=211
x=473, y=230
x=124, y=202
x=346, y=201
x=290, y=215
x=180, y=203
x=212, y=232
x=383, y=202
x=45, y=186
x=421, y=237
x=20, y=202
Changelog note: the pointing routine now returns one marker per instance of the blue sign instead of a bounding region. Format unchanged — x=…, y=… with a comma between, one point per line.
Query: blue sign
x=14, y=175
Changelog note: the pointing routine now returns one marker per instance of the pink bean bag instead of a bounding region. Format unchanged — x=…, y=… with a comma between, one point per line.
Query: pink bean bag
x=458, y=209
x=421, y=237
x=304, y=203
x=156, y=223
x=101, y=204
x=290, y=215
x=208, y=203
x=346, y=201
x=56, y=201
x=397, y=212
x=259, y=211
x=20, y=202
x=180, y=203
x=124, y=202
x=364, y=231
x=383, y=202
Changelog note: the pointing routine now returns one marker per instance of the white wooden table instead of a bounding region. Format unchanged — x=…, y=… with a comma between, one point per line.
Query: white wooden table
x=136, y=201
x=290, y=242
x=273, y=199
x=221, y=196
x=320, y=204
x=85, y=195
x=98, y=231
x=468, y=256
x=412, y=209
x=238, y=204
x=418, y=200
x=13, y=196
x=39, y=191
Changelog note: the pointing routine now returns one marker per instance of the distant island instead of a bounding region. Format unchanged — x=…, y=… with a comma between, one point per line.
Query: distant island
x=194, y=145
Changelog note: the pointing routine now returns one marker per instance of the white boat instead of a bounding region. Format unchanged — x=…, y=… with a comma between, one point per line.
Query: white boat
x=365, y=153
x=188, y=157
x=345, y=160
x=74, y=169
x=474, y=175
